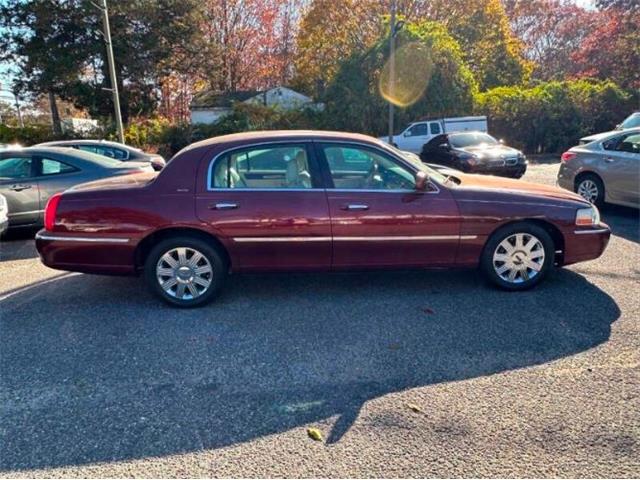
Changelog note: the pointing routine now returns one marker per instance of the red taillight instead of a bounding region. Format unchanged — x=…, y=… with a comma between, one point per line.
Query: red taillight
x=566, y=156
x=50, y=212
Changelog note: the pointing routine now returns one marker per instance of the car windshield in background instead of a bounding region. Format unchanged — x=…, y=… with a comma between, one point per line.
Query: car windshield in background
x=462, y=140
x=415, y=160
x=631, y=121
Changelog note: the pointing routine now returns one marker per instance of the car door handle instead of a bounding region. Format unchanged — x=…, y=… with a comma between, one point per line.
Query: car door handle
x=609, y=159
x=355, y=206
x=223, y=206
x=19, y=187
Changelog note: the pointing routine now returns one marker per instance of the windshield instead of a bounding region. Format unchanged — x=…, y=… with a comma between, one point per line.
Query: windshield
x=415, y=160
x=472, y=139
x=631, y=121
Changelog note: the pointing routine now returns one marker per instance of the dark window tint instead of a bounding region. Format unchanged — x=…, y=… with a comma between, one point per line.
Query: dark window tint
x=19, y=167
x=461, y=140
x=630, y=143
x=435, y=128
x=54, y=167
x=435, y=142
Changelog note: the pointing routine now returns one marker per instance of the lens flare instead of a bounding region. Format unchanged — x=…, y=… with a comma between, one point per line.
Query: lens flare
x=413, y=69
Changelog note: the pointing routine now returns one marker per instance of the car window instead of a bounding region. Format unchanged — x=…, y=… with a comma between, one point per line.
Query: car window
x=364, y=169
x=461, y=140
x=419, y=130
x=436, y=141
x=281, y=167
x=631, y=121
x=16, y=167
x=54, y=167
x=629, y=143
x=88, y=148
x=435, y=128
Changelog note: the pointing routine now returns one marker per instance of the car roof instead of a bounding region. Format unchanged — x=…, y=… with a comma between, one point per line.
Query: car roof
x=271, y=135
x=63, y=151
x=86, y=141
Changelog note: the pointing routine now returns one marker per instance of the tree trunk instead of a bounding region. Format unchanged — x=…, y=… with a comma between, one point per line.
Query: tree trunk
x=55, y=115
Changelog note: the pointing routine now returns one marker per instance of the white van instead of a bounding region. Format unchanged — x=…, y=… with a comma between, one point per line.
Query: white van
x=418, y=133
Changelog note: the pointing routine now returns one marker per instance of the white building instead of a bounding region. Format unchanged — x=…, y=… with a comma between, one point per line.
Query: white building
x=209, y=107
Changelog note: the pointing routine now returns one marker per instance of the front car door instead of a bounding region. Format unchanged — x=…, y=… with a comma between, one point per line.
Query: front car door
x=19, y=185
x=415, y=137
x=620, y=168
x=55, y=175
x=268, y=204
x=378, y=217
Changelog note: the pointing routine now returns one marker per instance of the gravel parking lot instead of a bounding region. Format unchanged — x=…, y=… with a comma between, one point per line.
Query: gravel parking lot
x=408, y=374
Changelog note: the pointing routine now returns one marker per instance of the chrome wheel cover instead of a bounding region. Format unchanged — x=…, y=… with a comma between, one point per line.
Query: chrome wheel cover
x=518, y=258
x=588, y=190
x=184, y=273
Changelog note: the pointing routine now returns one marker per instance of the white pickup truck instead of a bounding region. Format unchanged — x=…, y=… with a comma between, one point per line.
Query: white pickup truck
x=418, y=133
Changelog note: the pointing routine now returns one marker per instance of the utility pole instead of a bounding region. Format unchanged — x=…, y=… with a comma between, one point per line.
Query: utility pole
x=392, y=66
x=112, y=69
x=20, y=121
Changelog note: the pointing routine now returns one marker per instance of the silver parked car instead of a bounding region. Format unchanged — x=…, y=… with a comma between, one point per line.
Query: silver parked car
x=115, y=150
x=29, y=176
x=632, y=121
x=4, y=219
x=605, y=170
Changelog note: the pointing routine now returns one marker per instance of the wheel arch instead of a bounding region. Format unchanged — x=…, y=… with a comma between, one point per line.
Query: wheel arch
x=554, y=232
x=146, y=244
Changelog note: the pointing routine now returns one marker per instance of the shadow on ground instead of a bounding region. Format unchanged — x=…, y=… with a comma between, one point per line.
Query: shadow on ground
x=96, y=370
x=624, y=221
x=17, y=244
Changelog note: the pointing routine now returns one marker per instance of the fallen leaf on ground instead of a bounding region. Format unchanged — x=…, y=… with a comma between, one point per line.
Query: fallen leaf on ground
x=414, y=407
x=315, y=434
x=428, y=311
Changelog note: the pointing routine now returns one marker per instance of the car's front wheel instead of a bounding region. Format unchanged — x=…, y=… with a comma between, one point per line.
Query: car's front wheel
x=518, y=256
x=185, y=271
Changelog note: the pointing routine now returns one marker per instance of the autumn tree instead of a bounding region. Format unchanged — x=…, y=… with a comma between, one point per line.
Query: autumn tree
x=355, y=102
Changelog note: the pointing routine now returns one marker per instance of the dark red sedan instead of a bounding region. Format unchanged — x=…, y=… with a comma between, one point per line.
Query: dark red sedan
x=304, y=200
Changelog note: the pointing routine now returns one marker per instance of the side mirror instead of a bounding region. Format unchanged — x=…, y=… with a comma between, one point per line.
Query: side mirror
x=421, y=180
x=444, y=146
x=406, y=134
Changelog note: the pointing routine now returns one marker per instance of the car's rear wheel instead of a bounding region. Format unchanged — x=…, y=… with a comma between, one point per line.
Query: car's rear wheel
x=518, y=256
x=591, y=188
x=185, y=271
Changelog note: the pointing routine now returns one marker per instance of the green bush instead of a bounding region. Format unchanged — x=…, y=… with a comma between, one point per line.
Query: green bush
x=29, y=135
x=551, y=117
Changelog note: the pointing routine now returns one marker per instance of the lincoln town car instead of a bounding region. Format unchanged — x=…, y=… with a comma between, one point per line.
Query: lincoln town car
x=311, y=201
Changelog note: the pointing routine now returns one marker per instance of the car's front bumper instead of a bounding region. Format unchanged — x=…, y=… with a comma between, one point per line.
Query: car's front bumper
x=513, y=171
x=582, y=244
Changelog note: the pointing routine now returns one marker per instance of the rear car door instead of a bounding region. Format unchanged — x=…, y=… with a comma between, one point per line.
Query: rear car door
x=268, y=203
x=378, y=217
x=19, y=185
x=54, y=175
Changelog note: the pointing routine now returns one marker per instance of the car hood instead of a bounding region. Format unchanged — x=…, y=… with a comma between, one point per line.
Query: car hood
x=475, y=183
x=490, y=151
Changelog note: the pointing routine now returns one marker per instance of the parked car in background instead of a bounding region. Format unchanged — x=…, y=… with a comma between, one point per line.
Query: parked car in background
x=475, y=152
x=9, y=146
x=632, y=121
x=4, y=219
x=413, y=138
x=115, y=150
x=301, y=200
x=605, y=170
x=30, y=176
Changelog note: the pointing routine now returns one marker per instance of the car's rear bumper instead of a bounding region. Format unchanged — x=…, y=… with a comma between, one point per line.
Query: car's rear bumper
x=87, y=253
x=583, y=244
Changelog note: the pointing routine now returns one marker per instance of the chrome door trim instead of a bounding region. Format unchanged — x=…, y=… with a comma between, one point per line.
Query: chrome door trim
x=387, y=238
x=280, y=239
x=46, y=236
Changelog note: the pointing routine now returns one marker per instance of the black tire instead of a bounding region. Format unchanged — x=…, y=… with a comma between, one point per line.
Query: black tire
x=216, y=261
x=520, y=282
x=596, y=181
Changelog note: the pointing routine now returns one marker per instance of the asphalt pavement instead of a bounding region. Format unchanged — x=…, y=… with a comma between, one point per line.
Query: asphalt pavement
x=405, y=374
